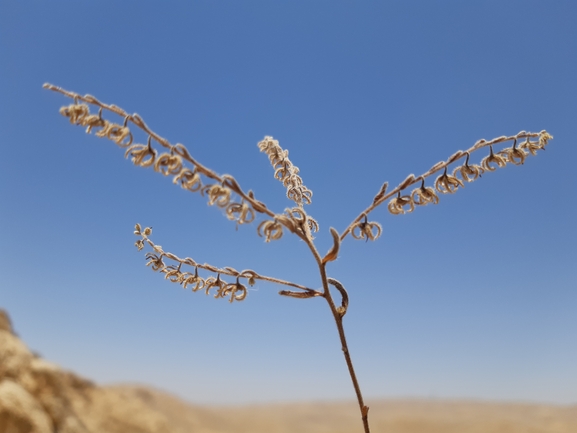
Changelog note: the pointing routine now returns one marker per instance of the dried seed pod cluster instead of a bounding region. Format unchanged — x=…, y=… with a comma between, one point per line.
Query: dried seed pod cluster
x=220, y=190
x=233, y=291
x=366, y=230
x=271, y=230
x=449, y=183
x=79, y=114
x=174, y=273
x=171, y=163
x=286, y=172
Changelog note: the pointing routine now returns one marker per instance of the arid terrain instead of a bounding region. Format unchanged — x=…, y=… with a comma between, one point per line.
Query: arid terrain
x=37, y=396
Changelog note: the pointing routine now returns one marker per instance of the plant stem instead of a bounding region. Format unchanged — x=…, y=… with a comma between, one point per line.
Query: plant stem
x=345, y=348
x=364, y=409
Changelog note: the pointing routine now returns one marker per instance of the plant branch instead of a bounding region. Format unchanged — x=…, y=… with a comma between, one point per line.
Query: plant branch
x=248, y=273
x=411, y=179
x=180, y=149
x=338, y=315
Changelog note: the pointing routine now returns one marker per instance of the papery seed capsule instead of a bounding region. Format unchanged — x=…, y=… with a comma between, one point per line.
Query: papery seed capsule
x=447, y=184
x=493, y=158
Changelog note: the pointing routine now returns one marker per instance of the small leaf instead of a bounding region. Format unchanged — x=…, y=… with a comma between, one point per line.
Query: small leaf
x=334, y=251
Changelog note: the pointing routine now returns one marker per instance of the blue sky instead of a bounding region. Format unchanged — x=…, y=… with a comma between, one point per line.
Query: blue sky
x=473, y=298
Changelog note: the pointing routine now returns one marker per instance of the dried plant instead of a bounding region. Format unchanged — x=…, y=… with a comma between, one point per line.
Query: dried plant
x=242, y=207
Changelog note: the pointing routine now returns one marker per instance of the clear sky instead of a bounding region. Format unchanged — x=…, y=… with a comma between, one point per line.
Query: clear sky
x=473, y=298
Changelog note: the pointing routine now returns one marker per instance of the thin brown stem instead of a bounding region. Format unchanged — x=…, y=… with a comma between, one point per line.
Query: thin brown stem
x=364, y=409
x=338, y=317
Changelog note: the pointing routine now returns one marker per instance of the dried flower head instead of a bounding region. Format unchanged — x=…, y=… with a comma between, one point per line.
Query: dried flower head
x=242, y=213
x=217, y=194
x=285, y=171
x=469, y=173
x=121, y=135
x=514, y=154
x=173, y=273
x=302, y=220
x=396, y=205
x=366, y=230
x=193, y=280
x=270, y=229
x=142, y=154
x=235, y=292
x=531, y=146
x=493, y=158
x=168, y=164
x=92, y=121
x=424, y=195
x=75, y=112
x=217, y=283
x=447, y=184
x=139, y=244
x=544, y=138
x=299, y=194
x=534, y=146
x=155, y=261
x=189, y=180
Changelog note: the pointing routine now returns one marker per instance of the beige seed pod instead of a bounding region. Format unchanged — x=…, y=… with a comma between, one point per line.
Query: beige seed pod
x=235, y=292
x=172, y=273
x=121, y=135
x=397, y=205
x=92, y=121
x=469, y=173
x=270, y=229
x=544, y=138
x=154, y=261
x=75, y=112
x=424, y=195
x=364, y=230
x=217, y=194
x=168, y=164
x=193, y=280
x=493, y=158
x=189, y=180
x=142, y=155
x=217, y=283
x=447, y=184
x=514, y=154
x=242, y=213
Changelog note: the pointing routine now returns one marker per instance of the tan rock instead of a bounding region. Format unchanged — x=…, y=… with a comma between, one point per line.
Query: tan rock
x=5, y=322
x=20, y=412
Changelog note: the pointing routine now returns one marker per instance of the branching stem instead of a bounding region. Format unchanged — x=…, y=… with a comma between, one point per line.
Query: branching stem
x=338, y=317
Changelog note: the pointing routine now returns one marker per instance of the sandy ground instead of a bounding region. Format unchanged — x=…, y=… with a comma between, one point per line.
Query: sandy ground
x=411, y=416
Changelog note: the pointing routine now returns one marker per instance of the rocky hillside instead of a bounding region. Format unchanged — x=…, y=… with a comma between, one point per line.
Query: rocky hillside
x=37, y=396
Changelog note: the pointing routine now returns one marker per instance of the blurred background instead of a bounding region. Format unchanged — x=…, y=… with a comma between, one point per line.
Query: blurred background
x=473, y=298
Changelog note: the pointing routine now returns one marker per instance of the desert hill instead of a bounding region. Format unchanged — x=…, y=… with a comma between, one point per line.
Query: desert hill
x=37, y=396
